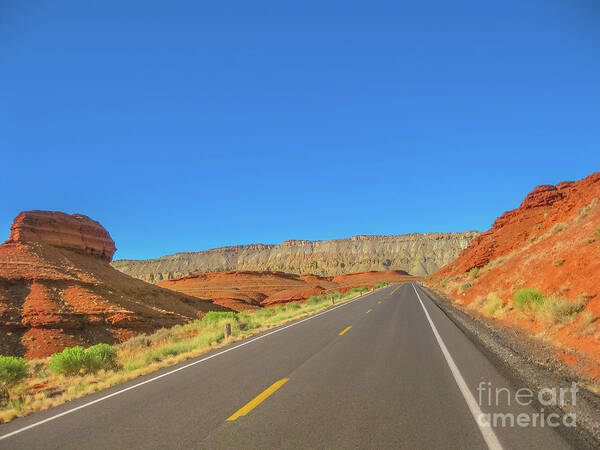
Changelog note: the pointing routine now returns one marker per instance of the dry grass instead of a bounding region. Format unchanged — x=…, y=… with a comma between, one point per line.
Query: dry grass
x=147, y=353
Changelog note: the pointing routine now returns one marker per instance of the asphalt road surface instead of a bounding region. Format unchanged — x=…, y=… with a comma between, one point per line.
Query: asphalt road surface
x=387, y=370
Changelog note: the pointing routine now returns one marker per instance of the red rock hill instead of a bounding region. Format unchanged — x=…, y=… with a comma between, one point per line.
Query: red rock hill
x=551, y=243
x=242, y=290
x=57, y=289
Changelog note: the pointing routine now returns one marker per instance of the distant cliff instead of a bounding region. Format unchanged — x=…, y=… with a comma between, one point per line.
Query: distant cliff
x=417, y=254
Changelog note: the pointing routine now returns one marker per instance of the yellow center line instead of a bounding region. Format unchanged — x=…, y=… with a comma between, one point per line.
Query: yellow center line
x=257, y=400
x=345, y=329
x=368, y=311
x=392, y=293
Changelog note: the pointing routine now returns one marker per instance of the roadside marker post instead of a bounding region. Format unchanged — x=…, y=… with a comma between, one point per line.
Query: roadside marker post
x=227, y=330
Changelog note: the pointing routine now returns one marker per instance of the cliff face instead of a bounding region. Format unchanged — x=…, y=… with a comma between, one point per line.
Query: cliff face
x=58, y=289
x=417, y=254
x=550, y=243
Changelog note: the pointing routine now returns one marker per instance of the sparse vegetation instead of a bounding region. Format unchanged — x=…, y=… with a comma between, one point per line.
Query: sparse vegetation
x=558, y=228
x=558, y=262
x=75, y=371
x=474, y=272
x=444, y=282
x=548, y=309
x=597, y=232
x=585, y=322
x=528, y=299
x=492, y=306
x=466, y=286
x=381, y=285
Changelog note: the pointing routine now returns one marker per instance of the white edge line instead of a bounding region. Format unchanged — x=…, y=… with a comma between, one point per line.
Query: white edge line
x=487, y=432
x=106, y=397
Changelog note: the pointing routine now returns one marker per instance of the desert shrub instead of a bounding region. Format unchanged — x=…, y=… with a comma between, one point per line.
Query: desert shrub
x=466, y=286
x=492, y=306
x=69, y=362
x=585, y=211
x=381, y=284
x=444, y=282
x=212, y=317
x=137, y=342
x=474, y=272
x=558, y=262
x=597, y=232
x=73, y=360
x=101, y=356
x=279, y=309
x=526, y=298
x=554, y=311
x=12, y=370
x=292, y=306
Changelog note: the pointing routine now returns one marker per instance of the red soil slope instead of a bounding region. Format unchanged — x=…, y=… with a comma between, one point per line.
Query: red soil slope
x=242, y=290
x=551, y=242
x=58, y=289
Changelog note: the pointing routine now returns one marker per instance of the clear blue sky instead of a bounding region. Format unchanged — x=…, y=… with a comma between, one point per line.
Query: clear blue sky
x=186, y=125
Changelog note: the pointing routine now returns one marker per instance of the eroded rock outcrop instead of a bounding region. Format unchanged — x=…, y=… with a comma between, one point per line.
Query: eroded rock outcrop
x=550, y=243
x=417, y=254
x=58, y=289
x=71, y=231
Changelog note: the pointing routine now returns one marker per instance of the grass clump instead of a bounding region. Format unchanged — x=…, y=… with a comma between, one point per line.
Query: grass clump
x=466, y=286
x=292, y=306
x=381, y=285
x=558, y=262
x=528, y=299
x=493, y=306
x=474, y=272
x=554, y=311
x=213, y=317
x=597, y=232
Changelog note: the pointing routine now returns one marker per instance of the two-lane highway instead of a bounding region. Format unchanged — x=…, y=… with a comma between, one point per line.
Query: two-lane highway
x=388, y=370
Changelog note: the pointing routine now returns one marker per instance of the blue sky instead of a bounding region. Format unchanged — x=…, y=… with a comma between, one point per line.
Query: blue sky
x=187, y=125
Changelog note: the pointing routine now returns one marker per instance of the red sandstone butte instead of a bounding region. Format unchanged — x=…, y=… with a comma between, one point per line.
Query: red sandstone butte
x=58, y=289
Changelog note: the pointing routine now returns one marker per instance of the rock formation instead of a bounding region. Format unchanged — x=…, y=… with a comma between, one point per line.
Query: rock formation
x=550, y=243
x=417, y=254
x=243, y=290
x=58, y=289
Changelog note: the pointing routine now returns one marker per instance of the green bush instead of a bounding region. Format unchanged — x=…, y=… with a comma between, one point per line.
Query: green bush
x=12, y=370
x=213, y=317
x=474, y=272
x=69, y=362
x=73, y=360
x=381, y=285
x=101, y=356
x=528, y=298
x=466, y=286
x=597, y=232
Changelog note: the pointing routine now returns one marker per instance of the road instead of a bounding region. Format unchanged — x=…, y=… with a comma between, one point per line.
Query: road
x=387, y=370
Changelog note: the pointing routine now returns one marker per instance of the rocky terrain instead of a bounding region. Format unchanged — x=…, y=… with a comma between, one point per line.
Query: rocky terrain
x=550, y=243
x=58, y=289
x=416, y=254
x=243, y=290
